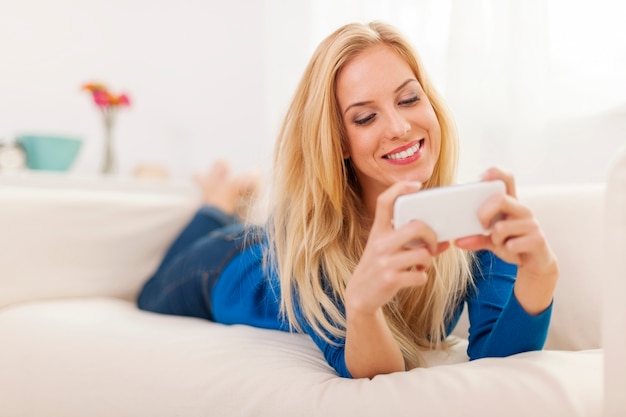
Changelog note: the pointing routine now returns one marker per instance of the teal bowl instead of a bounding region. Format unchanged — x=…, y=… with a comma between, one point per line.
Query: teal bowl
x=50, y=153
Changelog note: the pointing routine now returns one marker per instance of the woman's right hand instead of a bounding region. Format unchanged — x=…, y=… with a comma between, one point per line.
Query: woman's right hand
x=392, y=259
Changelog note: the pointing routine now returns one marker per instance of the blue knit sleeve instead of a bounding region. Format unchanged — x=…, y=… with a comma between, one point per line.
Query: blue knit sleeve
x=499, y=326
x=333, y=351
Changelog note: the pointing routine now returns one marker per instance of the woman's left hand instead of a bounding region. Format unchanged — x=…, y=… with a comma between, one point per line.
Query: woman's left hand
x=515, y=237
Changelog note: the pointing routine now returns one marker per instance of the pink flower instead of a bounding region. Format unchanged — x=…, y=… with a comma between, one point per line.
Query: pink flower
x=121, y=100
x=103, y=97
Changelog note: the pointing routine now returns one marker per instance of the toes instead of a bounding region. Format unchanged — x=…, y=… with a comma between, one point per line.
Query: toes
x=248, y=184
x=219, y=170
x=231, y=194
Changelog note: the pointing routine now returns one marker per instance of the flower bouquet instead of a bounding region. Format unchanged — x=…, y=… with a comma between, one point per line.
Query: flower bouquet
x=108, y=104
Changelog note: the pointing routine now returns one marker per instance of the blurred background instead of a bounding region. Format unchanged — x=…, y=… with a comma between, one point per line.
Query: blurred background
x=537, y=87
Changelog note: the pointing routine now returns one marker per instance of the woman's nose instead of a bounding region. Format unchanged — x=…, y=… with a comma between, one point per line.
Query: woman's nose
x=398, y=125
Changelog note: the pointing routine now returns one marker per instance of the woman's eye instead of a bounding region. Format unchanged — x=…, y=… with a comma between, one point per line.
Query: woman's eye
x=365, y=119
x=409, y=101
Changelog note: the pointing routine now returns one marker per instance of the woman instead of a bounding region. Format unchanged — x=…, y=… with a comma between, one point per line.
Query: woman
x=364, y=127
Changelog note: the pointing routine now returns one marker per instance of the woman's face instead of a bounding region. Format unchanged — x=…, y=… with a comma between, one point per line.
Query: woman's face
x=393, y=132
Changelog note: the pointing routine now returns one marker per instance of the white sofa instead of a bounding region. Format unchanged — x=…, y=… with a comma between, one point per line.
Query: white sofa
x=75, y=251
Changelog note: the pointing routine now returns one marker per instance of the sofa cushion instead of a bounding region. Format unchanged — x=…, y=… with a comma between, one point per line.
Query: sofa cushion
x=103, y=357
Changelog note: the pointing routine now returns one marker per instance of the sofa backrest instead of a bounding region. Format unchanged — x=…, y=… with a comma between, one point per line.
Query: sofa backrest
x=572, y=219
x=66, y=237
x=74, y=237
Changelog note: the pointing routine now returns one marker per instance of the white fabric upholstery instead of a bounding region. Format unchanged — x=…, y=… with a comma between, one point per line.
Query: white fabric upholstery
x=102, y=357
x=85, y=236
x=569, y=216
x=74, y=254
x=614, y=330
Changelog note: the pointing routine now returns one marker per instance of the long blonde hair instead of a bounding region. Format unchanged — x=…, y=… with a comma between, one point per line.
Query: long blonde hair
x=318, y=230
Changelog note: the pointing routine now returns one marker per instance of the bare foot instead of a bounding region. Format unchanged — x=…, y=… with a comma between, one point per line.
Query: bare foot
x=232, y=195
x=248, y=188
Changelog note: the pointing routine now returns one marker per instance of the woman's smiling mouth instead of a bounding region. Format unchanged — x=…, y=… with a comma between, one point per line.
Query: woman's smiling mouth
x=406, y=153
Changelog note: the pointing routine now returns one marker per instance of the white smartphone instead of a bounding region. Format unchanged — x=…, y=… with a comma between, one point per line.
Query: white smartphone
x=452, y=211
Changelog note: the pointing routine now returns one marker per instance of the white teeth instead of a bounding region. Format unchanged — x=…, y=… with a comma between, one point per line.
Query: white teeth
x=406, y=153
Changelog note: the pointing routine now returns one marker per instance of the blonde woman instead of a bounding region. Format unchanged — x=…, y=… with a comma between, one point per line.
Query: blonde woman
x=365, y=126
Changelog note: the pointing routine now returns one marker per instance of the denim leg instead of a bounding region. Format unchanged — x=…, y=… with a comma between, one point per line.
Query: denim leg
x=206, y=220
x=183, y=286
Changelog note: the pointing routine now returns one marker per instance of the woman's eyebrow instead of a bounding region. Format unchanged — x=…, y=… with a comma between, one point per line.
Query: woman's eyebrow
x=363, y=103
x=360, y=103
x=404, y=84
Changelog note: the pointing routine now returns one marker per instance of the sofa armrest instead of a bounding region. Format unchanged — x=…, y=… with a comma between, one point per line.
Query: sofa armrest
x=614, y=325
x=69, y=237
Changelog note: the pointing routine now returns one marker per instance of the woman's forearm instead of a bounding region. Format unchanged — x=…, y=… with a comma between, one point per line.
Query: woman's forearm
x=535, y=293
x=370, y=346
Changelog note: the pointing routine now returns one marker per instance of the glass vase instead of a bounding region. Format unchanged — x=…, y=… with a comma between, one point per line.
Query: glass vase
x=109, y=161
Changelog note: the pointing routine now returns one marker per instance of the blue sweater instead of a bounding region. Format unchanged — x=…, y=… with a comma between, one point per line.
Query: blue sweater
x=499, y=326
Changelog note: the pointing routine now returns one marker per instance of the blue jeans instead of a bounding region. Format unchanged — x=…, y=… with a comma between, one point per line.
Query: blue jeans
x=184, y=282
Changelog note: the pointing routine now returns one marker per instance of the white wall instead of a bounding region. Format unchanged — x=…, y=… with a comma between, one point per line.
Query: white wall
x=211, y=79
x=194, y=70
